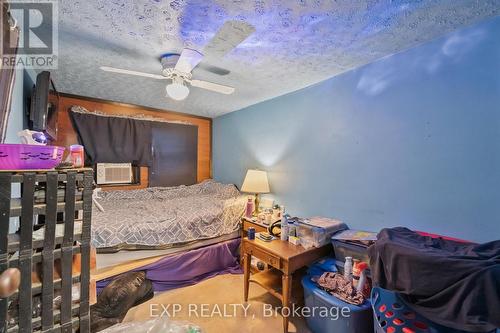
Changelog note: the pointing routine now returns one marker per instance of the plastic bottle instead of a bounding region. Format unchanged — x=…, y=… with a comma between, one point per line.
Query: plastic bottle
x=356, y=272
x=249, y=209
x=362, y=281
x=348, y=269
x=77, y=155
x=284, y=228
x=292, y=229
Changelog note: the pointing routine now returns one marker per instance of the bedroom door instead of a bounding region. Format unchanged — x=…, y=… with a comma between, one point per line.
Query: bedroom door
x=175, y=155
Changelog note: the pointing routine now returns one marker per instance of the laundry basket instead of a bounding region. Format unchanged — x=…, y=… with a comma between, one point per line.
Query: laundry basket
x=392, y=315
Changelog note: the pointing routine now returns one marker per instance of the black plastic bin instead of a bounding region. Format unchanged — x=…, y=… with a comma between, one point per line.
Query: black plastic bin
x=344, y=249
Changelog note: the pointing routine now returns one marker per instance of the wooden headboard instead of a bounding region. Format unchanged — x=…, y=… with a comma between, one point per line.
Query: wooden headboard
x=66, y=135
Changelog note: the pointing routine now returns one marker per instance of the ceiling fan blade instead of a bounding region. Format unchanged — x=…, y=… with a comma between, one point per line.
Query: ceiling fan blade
x=188, y=60
x=129, y=72
x=212, y=86
x=213, y=69
x=228, y=37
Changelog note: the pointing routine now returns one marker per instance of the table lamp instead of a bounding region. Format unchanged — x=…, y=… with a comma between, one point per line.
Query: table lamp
x=255, y=182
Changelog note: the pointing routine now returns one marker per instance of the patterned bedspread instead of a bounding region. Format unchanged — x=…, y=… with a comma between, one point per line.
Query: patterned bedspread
x=166, y=215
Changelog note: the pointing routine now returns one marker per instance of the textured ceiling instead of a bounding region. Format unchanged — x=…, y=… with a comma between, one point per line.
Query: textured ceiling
x=297, y=43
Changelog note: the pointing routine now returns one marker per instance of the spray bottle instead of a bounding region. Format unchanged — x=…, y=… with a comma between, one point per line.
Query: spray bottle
x=348, y=269
x=284, y=228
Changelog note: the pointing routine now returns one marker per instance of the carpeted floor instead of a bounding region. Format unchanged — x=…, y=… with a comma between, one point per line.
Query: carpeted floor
x=216, y=305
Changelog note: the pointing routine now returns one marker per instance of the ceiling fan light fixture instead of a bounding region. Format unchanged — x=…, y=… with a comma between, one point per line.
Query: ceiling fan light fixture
x=177, y=90
x=179, y=67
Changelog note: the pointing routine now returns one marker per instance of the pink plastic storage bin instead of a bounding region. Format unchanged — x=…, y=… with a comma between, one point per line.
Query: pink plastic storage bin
x=29, y=157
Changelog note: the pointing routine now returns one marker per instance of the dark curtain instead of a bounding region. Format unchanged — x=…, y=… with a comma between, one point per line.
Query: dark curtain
x=170, y=150
x=114, y=139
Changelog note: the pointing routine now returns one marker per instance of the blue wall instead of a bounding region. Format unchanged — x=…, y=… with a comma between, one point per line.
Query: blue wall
x=412, y=140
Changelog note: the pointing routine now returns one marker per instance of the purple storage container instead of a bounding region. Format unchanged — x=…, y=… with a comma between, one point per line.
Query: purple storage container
x=29, y=157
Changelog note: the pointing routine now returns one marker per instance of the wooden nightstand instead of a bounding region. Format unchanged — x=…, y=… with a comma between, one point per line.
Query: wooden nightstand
x=245, y=224
x=286, y=258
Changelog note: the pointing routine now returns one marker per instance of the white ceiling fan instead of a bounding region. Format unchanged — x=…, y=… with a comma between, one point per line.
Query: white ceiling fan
x=227, y=38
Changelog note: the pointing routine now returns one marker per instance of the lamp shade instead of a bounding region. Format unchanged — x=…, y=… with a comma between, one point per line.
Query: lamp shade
x=255, y=182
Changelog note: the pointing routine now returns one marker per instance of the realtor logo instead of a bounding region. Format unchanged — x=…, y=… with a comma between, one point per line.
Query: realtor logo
x=34, y=26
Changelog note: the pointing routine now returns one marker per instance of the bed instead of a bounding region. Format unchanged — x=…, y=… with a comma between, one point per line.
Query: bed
x=160, y=218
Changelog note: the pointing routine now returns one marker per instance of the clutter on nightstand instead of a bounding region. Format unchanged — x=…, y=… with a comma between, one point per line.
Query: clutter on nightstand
x=294, y=240
x=266, y=237
x=314, y=231
x=270, y=215
x=292, y=228
x=278, y=211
